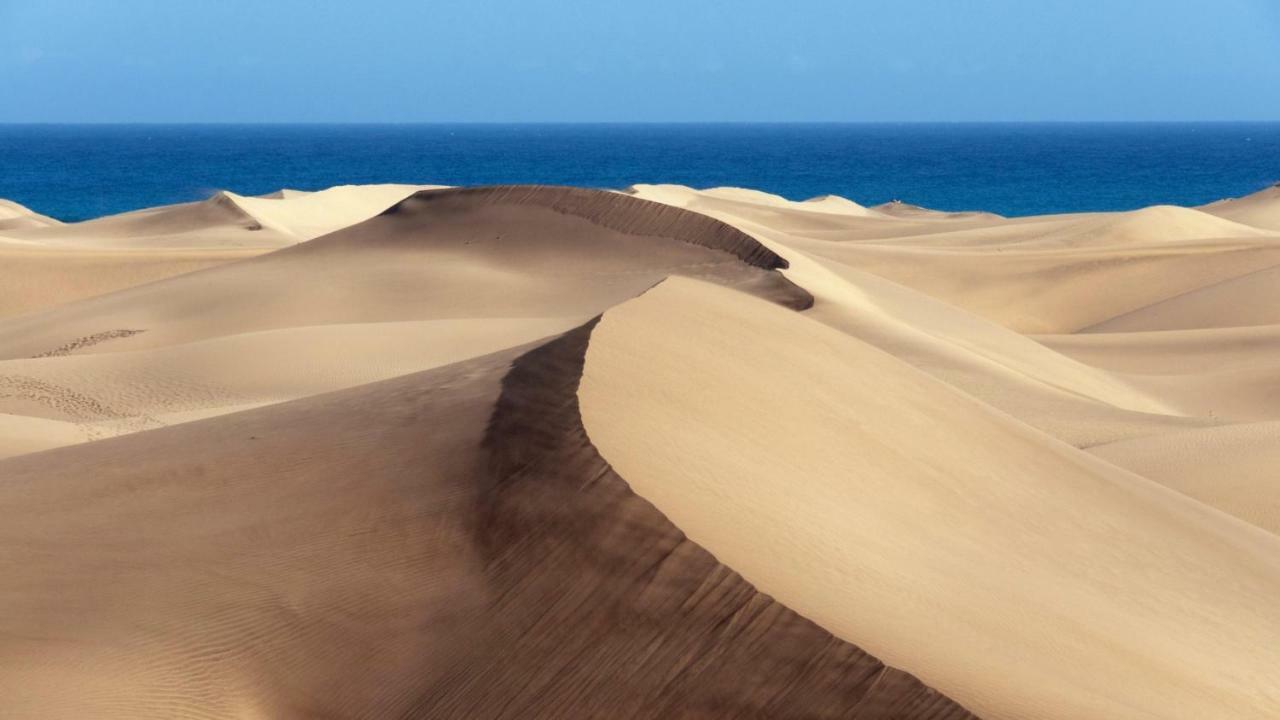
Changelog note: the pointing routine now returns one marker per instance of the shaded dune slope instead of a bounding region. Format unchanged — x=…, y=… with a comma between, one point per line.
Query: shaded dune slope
x=38, y=278
x=444, y=276
x=663, y=629
x=105, y=394
x=491, y=565
x=490, y=252
x=620, y=213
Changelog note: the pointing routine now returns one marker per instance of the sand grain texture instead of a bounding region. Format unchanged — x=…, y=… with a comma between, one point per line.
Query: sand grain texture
x=542, y=452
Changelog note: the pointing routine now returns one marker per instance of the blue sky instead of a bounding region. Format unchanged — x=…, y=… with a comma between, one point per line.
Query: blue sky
x=637, y=60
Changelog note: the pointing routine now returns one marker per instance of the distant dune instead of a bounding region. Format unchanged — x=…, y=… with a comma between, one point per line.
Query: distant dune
x=48, y=263
x=542, y=452
x=16, y=217
x=1261, y=209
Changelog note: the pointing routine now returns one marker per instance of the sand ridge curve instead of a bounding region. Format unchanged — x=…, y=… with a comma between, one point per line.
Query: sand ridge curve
x=339, y=453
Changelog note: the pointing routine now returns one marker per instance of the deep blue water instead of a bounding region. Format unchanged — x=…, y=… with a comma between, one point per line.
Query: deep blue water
x=79, y=172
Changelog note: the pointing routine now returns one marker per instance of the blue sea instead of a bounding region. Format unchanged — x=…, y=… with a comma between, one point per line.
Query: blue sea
x=76, y=172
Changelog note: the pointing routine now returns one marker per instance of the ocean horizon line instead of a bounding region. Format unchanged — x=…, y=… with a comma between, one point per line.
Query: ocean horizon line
x=617, y=123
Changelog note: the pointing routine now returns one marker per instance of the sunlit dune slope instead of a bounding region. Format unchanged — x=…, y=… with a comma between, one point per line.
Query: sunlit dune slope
x=309, y=215
x=912, y=520
x=17, y=217
x=1261, y=209
x=225, y=220
x=1042, y=275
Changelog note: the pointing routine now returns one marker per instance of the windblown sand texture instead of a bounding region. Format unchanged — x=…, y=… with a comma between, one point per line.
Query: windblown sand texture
x=538, y=452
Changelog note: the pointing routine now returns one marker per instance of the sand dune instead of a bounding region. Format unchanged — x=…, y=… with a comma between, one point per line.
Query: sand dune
x=999, y=538
x=1079, y=404
x=1261, y=209
x=218, y=222
x=439, y=255
x=108, y=394
x=1038, y=275
x=48, y=263
x=1171, y=352
x=1231, y=467
x=309, y=215
x=16, y=217
x=411, y=451
x=1157, y=224
x=41, y=277
x=227, y=220
x=463, y=563
x=897, y=208
x=21, y=434
x=1246, y=299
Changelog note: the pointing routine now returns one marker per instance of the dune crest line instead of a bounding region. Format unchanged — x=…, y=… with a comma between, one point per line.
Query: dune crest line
x=617, y=211
x=549, y=452
x=661, y=628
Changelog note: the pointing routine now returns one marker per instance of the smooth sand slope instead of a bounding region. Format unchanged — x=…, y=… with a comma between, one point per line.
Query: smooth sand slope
x=48, y=263
x=1261, y=209
x=224, y=220
x=1091, y=590
x=37, y=277
x=428, y=284
x=218, y=221
x=18, y=217
x=307, y=215
x=1040, y=275
x=389, y=451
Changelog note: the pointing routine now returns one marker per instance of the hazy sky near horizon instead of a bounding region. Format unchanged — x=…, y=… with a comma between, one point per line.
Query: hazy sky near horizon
x=638, y=60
